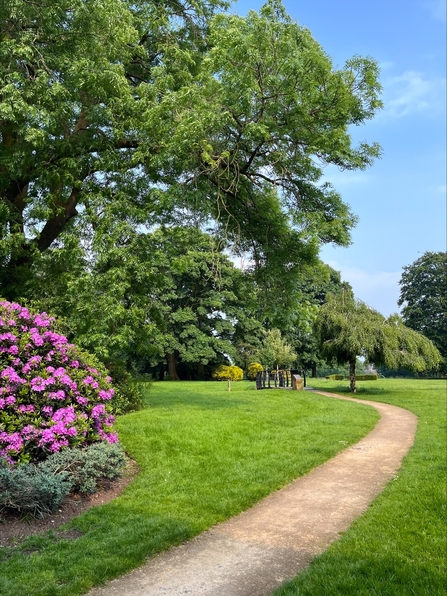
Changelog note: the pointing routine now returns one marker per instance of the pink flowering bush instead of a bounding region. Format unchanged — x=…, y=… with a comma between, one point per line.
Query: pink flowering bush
x=52, y=395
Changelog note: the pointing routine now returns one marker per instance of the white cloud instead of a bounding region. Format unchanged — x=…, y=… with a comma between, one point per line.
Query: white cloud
x=379, y=289
x=437, y=9
x=412, y=92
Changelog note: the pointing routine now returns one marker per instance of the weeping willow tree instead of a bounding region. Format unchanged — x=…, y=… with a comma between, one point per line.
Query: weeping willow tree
x=347, y=328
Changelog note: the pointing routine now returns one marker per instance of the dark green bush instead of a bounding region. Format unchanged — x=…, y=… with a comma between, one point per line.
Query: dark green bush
x=28, y=489
x=86, y=467
x=370, y=377
x=128, y=396
x=335, y=377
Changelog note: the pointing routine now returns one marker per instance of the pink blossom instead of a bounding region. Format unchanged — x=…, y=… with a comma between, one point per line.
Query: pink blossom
x=98, y=410
x=38, y=384
x=25, y=409
x=57, y=394
x=91, y=381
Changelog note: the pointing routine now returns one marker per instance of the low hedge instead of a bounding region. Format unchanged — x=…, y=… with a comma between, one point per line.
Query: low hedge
x=369, y=377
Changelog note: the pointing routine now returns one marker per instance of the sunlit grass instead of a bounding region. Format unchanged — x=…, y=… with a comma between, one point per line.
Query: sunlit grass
x=398, y=547
x=204, y=455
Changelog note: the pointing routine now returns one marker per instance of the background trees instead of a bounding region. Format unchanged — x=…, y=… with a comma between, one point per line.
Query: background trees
x=423, y=296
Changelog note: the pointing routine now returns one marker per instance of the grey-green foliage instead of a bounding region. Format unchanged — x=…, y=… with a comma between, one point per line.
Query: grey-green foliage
x=40, y=489
x=30, y=489
x=86, y=467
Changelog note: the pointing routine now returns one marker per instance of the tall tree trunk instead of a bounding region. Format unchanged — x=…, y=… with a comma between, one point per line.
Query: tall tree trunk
x=201, y=372
x=352, y=388
x=172, y=367
x=314, y=371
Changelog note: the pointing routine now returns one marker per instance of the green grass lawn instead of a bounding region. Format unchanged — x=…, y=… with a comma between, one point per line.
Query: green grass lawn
x=204, y=455
x=398, y=547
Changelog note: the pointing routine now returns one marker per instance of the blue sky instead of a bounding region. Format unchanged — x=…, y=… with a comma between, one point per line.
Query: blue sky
x=401, y=199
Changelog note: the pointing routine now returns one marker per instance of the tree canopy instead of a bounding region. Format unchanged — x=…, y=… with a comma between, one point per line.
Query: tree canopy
x=164, y=113
x=423, y=295
x=347, y=328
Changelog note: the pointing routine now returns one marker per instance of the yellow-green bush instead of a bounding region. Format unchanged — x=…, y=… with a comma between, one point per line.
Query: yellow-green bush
x=228, y=373
x=253, y=369
x=367, y=377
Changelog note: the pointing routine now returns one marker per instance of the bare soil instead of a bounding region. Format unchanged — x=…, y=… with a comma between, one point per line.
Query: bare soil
x=15, y=528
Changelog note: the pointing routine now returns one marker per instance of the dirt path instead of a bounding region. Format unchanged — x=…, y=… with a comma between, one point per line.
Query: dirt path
x=253, y=553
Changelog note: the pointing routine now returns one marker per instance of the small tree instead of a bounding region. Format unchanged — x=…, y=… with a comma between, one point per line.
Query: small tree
x=347, y=328
x=228, y=373
x=276, y=351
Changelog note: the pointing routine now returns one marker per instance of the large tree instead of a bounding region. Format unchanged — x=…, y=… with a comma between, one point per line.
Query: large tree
x=423, y=295
x=347, y=328
x=157, y=112
x=144, y=298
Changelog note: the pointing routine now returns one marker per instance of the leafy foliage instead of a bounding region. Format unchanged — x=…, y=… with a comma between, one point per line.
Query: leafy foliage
x=143, y=114
x=424, y=298
x=347, y=328
x=276, y=352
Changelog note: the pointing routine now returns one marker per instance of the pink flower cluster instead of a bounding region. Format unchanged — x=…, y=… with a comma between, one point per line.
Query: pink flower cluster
x=50, y=396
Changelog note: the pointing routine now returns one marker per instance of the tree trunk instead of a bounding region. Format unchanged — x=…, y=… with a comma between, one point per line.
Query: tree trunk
x=201, y=372
x=314, y=372
x=172, y=367
x=352, y=388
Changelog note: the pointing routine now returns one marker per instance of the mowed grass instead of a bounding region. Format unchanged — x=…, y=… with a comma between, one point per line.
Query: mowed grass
x=204, y=455
x=398, y=547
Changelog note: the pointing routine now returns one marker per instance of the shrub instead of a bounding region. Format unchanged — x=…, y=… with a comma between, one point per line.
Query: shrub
x=28, y=489
x=253, y=369
x=369, y=377
x=85, y=467
x=228, y=373
x=335, y=377
x=52, y=395
x=128, y=397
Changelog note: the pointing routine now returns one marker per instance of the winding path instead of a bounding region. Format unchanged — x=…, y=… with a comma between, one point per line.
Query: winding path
x=253, y=553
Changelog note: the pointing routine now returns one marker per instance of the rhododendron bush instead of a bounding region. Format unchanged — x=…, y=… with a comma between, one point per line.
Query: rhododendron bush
x=52, y=395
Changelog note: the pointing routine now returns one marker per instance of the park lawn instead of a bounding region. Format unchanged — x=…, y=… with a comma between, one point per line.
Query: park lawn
x=204, y=455
x=398, y=547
